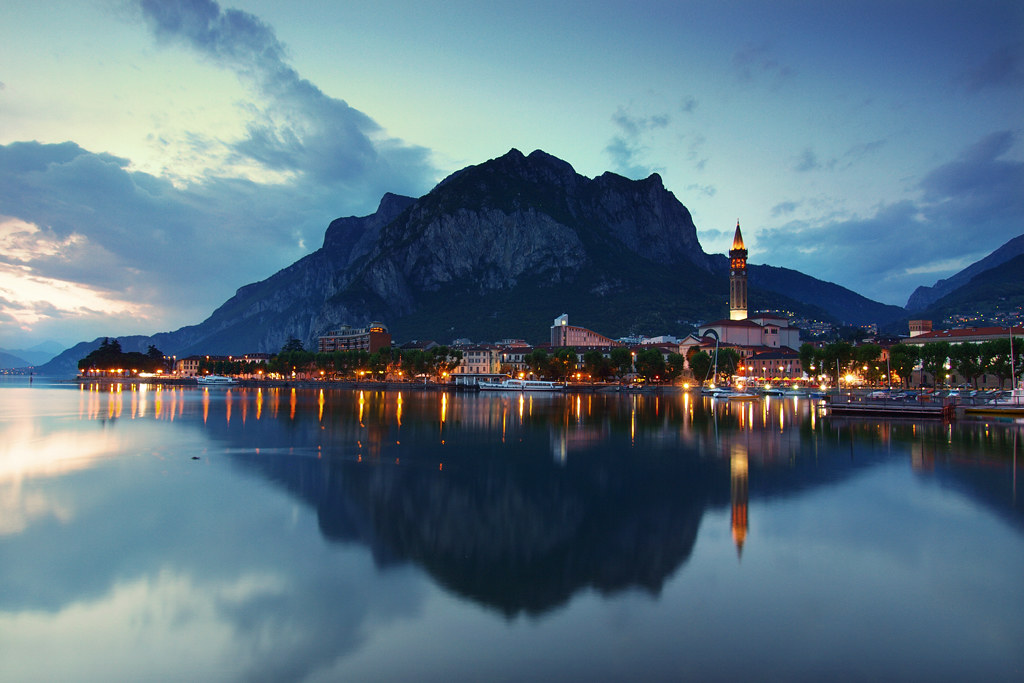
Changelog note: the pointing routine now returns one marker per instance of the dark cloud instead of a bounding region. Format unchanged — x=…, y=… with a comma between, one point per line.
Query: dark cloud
x=967, y=208
x=1004, y=68
x=688, y=105
x=295, y=127
x=180, y=250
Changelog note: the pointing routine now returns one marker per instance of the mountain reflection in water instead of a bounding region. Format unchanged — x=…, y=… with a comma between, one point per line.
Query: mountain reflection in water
x=518, y=502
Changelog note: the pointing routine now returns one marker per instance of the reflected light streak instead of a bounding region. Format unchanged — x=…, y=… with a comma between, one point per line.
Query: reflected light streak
x=206, y=404
x=398, y=410
x=293, y=401
x=227, y=406
x=259, y=404
x=320, y=405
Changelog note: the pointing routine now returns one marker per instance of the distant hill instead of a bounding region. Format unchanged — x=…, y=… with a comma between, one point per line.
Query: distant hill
x=996, y=290
x=35, y=355
x=923, y=297
x=499, y=250
x=9, y=360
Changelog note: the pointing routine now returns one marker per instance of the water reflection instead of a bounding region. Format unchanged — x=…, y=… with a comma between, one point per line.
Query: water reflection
x=520, y=501
x=521, y=504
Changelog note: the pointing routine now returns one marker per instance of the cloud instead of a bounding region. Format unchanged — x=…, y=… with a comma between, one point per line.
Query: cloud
x=1003, y=68
x=755, y=61
x=784, y=208
x=628, y=146
x=178, y=246
x=967, y=207
x=150, y=255
x=295, y=127
x=688, y=105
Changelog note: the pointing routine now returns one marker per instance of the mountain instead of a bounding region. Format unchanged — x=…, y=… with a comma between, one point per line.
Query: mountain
x=10, y=360
x=35, y=355
x=996, y=290
x=498, y=250
x=824, y=300
x=923, y=297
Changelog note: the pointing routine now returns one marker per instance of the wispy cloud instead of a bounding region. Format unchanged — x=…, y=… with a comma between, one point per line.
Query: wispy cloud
x=757, y=61
x=294, y=126
x=1003, y=68
x=968, y=206
x=629, y=146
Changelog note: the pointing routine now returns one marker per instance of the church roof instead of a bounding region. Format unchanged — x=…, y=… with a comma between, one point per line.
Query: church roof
x=737, y=240
x=731, y=323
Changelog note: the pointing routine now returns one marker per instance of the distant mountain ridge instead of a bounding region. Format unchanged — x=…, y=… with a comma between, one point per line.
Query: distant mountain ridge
x=998, y=289
x=923, y=297
x=499, y=249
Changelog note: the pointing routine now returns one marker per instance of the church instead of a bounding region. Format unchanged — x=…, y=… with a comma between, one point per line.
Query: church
x=766, y=343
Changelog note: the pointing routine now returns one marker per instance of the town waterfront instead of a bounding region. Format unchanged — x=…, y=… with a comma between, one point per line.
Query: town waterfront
x=283, y=534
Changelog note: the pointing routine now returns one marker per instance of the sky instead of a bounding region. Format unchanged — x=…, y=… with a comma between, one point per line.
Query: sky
x=155, y=156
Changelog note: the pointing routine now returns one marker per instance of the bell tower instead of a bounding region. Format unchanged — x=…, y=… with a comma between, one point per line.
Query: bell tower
x=738, y=277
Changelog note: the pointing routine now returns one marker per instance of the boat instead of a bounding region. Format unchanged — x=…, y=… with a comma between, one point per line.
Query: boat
x=739, y=396
x=215, y=380
x=521, y=385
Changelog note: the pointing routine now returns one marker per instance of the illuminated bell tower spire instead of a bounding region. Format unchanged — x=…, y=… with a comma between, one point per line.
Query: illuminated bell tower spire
x=738, y=277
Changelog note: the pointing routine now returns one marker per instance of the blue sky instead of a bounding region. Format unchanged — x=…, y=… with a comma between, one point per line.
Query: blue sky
x=156, y=156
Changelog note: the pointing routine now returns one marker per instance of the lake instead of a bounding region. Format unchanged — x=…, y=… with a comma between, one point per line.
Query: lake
x=177, y=533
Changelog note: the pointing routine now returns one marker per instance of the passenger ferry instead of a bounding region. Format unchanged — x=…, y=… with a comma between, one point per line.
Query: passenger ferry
x=215, y=380
x=521, y=385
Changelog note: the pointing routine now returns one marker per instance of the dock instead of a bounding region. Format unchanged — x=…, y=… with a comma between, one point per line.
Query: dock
x=891, y=407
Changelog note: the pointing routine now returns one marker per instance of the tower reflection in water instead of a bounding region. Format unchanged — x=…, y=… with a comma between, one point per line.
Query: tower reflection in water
x=518, y=502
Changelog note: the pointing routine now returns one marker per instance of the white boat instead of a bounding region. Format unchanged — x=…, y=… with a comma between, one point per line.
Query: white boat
x=215, y=380
x=521, y=385
x=1014, y=398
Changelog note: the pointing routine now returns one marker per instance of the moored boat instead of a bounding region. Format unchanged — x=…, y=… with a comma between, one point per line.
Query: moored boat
x=215, y=380
x=521, y=385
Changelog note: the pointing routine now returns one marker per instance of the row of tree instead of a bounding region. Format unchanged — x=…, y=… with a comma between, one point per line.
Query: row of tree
x=939, y=360
x=564, y=363
x=109, y=358
x=343, y=364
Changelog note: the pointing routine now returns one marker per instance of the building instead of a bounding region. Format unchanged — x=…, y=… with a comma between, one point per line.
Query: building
x=371, y=338
x=478, y=359
x=918, y=327
x=783, y=364
x=975, y=335
x=737, y=277
x=765, y=331
x=563, y=334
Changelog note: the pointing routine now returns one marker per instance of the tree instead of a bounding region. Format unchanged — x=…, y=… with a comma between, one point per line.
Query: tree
x=621, y=360
x=700, y=365
x=650, y=364
x=292, y=345
x=537, y=361
x=903, y=358
x=728, y=363
x=866, y=356
x=836, y=358
x=562, y=362
x=596, y=365
x=675, y=364
x=934, y=356
x=966, y=360
x=995, y=357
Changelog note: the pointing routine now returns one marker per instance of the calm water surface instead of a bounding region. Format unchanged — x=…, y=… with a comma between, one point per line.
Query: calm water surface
x=297, y=535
